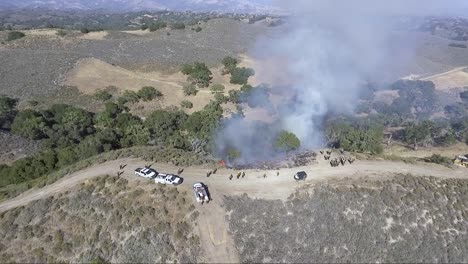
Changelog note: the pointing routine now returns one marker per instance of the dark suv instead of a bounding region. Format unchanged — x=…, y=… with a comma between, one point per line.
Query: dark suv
x=300, y=176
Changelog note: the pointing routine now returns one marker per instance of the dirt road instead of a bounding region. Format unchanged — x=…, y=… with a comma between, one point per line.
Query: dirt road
x=217, y=244
x=443, y=73
x=254, y=184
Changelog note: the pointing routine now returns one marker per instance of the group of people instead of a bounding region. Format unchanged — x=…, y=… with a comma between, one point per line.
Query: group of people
x=341, y=160
x=335, y=162
x=239, y=175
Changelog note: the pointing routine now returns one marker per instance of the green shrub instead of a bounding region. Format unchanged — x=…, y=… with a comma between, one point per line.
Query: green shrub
x=7, y=104
x=241, y=75
x=286, y=141
x=186, y=104
x=128, y=97
x=190, y=89
x=13, y=35
x=198, y=74
x=232, y=154
x=144, y=27
x=438, y=159
x=197, y=29
x=61, y=33
x=217, y=88
x=219, y=97
x=178, y=25
x=229, y=63
x=102, y=95
x=84, y=30
x=29, y=124
x=157, y=25
x=148, y=93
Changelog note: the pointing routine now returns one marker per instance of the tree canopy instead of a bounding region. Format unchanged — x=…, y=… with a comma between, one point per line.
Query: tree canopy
x=198, y=74
x=286, y=141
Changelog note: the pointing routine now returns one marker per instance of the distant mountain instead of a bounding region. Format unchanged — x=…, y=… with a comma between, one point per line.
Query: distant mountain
x=239, y=6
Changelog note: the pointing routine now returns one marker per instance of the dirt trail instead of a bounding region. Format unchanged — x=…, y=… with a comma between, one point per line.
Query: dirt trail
x=212, y=226
x=443, y=73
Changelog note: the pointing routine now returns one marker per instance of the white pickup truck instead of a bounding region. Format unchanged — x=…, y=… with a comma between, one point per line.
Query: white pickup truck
x=168, y=179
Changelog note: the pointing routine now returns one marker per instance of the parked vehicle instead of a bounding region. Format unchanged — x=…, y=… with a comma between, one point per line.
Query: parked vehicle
x=461, y=161
x=201, y=192
x=300, y=176
x=168, y=179
x=146, y=172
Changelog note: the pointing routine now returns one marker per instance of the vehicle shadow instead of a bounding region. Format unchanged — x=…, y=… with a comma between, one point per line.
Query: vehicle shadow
x=208, y=193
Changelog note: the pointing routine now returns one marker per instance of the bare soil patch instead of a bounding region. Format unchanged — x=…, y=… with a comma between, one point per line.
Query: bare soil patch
x=452, y=79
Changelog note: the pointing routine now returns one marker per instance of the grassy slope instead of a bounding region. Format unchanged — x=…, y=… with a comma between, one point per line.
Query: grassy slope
x=106, y=218
x=406, y=219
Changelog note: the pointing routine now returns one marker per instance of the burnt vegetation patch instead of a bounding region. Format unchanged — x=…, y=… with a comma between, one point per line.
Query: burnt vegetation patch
x=405, y=219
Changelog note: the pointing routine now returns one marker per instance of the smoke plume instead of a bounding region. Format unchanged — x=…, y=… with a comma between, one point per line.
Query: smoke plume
x=318, y=63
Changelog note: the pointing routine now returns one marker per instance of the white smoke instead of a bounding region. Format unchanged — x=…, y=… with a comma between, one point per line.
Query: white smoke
x=324, y=55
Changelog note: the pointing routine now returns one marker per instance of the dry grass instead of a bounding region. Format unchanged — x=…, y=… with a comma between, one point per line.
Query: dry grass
x=403, y=151
x=107, y=218
x=452, y=79
x=403, y=219
x=92, y=74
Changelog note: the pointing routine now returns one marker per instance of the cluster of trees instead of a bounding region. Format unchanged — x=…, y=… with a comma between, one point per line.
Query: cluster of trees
x=430, y=133
x=70, y=134
x=365, y=138
x=146, y=93
x=155, y=26
x=416, y=98
x=238, y=75
x=198, y=74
